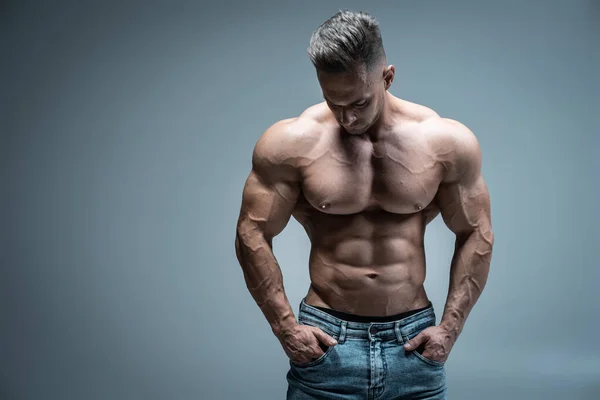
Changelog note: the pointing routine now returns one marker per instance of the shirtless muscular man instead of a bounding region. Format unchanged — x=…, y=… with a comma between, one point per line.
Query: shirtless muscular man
x=364, y=172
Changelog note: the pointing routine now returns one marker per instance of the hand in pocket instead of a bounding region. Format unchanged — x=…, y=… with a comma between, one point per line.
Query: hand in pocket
x=433, y=343
x=304, y=343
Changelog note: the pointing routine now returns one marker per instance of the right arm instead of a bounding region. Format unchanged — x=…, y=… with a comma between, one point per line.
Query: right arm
x=268, y=199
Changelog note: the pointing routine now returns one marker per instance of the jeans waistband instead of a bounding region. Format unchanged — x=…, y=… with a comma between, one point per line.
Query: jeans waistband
x=398, y=330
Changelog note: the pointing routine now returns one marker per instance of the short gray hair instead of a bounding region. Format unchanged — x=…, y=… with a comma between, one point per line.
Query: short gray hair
x=346, y=41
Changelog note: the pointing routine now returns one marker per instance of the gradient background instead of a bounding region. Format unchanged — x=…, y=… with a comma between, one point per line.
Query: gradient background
x=127, y=134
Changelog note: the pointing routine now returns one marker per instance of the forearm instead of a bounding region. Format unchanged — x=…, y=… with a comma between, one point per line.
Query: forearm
x=264, y=278
x=468, y=276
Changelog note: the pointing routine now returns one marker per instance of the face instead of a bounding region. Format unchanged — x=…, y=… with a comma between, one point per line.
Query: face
x=356, y=99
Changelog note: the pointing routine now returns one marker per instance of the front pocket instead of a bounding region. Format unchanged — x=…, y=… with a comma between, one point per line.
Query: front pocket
x=415, y=352
x=318, y=360
x=327, y=349
x=427, y=360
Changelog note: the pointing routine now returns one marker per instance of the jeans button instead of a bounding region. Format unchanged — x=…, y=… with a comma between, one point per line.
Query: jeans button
x=374, y=330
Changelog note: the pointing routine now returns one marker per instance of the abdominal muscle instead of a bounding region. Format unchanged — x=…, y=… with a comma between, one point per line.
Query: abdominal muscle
x=370, y=264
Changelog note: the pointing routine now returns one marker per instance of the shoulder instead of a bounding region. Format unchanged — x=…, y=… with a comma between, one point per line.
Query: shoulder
x=416, y=112
x=455, y=147
x=285, y=145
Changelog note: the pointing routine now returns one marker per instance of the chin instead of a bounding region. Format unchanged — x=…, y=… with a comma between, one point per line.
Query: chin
x=359, y=130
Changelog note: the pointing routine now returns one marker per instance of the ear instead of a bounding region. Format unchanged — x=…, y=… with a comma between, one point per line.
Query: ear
x=388, y=76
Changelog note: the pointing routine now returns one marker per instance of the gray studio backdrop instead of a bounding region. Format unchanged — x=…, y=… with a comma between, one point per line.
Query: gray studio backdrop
x=127, y=133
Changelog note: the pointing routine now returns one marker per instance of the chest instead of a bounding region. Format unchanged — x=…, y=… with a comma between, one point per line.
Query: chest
x=355, y=176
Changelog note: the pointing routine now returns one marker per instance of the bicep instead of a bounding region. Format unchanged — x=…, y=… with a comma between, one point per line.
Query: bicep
x=462, y=197
x=267, y=205
x=465, y=205
x=273, y=186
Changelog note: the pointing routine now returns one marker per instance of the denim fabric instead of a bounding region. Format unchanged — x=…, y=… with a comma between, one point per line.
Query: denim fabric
x=369, y=361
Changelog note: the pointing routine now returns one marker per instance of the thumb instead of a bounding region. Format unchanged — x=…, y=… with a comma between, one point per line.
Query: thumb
x=414, y=342
x=325, y=338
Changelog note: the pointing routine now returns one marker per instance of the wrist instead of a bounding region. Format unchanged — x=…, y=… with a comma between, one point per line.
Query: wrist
x=284, y=325
x=453, y=330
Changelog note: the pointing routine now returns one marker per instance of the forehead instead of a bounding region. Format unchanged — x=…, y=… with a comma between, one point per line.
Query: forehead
x=342, y=88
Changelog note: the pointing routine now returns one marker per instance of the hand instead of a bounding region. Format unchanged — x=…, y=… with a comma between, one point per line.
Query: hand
x=304, y=343
x=436, y=342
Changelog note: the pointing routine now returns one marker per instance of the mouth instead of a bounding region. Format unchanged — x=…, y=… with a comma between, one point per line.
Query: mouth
x=352, y=127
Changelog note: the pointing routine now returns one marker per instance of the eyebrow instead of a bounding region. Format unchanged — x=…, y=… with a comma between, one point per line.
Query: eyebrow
x=354, y=102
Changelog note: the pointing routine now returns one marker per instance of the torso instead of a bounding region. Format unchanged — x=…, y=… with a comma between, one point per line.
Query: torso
x=364, y=204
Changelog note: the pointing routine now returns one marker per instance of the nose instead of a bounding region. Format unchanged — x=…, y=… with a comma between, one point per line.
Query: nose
x=347, y=117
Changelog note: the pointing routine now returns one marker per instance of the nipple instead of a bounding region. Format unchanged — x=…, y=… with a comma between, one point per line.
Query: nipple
x=418, y=206
x=323, y=206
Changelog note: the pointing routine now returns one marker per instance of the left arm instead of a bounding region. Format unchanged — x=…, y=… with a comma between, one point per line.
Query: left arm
x=464, y=203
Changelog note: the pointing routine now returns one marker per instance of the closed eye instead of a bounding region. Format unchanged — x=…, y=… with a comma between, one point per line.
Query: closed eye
x=357, y=104
x=331, y=104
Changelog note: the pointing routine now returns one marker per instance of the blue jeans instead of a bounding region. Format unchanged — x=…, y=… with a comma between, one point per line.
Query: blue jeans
x=369, y=361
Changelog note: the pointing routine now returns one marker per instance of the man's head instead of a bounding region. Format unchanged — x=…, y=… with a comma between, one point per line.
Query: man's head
x=347, y=52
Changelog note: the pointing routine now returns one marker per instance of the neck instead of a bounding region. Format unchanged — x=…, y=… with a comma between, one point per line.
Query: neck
x=383, y=119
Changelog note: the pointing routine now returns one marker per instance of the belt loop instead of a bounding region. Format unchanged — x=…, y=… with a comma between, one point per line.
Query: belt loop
x=398, y=332
x=342, y=337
